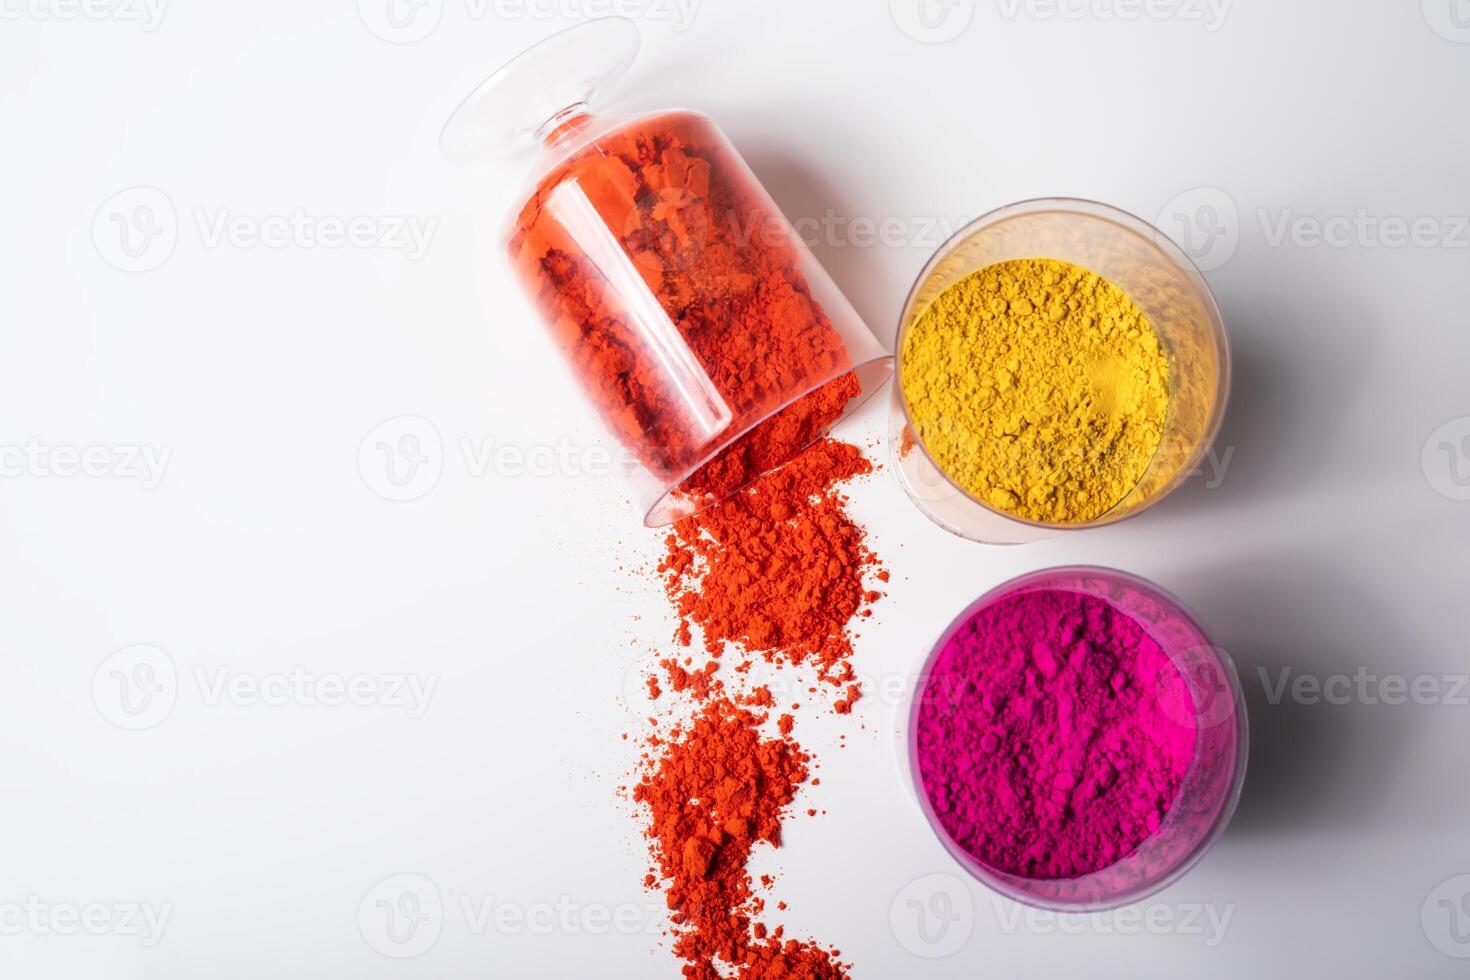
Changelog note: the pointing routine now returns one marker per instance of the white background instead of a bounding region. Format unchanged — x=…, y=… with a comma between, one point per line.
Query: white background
x=1333, y=544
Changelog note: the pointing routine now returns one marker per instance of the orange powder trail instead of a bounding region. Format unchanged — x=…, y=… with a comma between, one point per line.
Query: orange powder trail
x=777, y=570
x=716, y=789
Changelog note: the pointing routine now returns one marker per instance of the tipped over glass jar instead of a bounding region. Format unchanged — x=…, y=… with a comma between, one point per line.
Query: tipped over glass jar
x=700, y=327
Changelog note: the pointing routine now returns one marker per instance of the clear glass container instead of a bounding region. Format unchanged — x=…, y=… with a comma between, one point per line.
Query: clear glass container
x=704, y=333
x=1160, y=279
x=1212, y=783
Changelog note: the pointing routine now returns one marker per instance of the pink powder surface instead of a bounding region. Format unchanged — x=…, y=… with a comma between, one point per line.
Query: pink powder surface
x=1053, y=735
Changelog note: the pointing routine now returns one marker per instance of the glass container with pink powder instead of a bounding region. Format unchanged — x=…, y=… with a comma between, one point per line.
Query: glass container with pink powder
x=1075, y=740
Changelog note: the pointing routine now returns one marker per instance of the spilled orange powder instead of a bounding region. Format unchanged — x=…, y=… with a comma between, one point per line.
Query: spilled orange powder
x=714, y=790
x=778, y=569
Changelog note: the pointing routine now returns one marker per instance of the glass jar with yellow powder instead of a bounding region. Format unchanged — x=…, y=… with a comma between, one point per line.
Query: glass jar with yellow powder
x=1061, y=365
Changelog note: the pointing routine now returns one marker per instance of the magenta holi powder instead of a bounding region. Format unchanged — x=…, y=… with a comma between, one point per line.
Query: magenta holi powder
x=1053, y=735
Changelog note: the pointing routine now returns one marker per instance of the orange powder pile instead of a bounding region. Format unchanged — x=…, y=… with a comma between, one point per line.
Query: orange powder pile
x=778, y=569
x=715, y=789
x=690, y=217
x=773, y=441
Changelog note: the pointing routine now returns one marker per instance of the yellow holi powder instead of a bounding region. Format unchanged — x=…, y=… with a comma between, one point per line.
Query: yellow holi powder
x=1038, y=387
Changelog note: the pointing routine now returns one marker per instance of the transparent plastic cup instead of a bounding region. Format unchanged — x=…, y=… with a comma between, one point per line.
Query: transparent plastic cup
x=1155, y=273
x=1212, y=783
x=703, y=332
